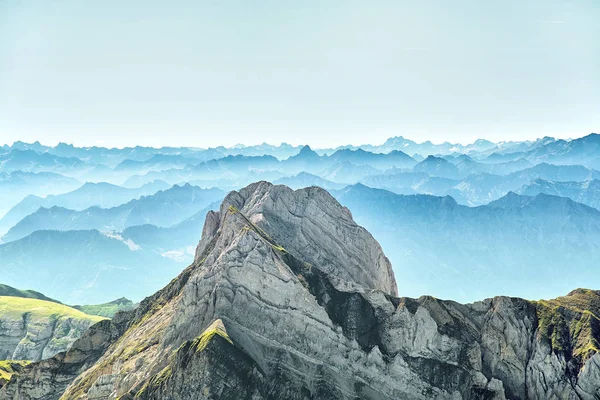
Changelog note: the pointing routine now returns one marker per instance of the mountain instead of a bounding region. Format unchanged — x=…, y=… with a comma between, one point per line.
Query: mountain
x=427, y=148
x=164, y=208
x=289, y=299
x=281, y=152
x=157, y=162
x=552, y=172
x=107, y=310
x=307, y=160
x=33, y=329
x=468, y=166
x=348, y=173
x=436, y=166
x=304, y=179
x=380, y=161
x=103, y=195
x=577, y=151
x=586, y=192
x=466, y=253
x=175, y=242
x=474, y=189
x=410, y=183
x=6, y=290
x=85, y=267
x=30, y=161
x=17, y=185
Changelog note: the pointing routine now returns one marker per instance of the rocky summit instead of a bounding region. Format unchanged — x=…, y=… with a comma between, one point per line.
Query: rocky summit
x=288, y=298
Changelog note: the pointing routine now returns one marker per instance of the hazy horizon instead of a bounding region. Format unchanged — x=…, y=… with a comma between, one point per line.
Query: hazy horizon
x=293, y=143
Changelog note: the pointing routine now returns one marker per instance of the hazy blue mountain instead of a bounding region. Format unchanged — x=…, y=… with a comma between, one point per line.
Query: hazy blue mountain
x=307, y=160
x=552, y=172
x=157, y=162
x=102, y=194
x=113, y=156
x=480, y=189
x=401, y=182
x=35, y=146
x=380, y=161
x=512, y=150
x=465, y=253
x=475, y=189
x=425, y=148
x=503, y=157
x=467, y=166
x=586, y=192
x=177, y=242
x=282, y=152
x=437, y=166
x=578, y=151
x=17, y=185
x=232, y=166
x=84, y=267
x=348, y=173
x=31, y=161
x=164, y=208
x=304, y=179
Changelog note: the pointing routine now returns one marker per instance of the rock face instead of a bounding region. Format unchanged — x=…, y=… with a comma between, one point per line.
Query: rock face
x=289, y=299
x=32, y=329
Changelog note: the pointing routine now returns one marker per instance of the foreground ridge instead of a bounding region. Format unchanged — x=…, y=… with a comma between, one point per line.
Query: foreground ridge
x=289, y=299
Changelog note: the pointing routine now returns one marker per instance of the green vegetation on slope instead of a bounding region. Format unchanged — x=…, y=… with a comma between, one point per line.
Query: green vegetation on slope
x=15, y=307
x=572, y=323
x=107, y=310
x=6, y=290
x=8, y=368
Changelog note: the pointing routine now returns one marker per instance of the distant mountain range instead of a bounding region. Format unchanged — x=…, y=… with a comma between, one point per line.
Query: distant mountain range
x=447, y=250
x=586, y=192
x=103, y=195
x=85, y=266
x=474, y=189
x=16, y=185
x=149, y=204
x=165, y=208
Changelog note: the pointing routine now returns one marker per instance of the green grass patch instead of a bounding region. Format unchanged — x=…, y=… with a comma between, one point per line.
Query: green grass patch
x=16, y=307
x=8, y=368
x=107, y=310
x=216, y=328
x=572, y=323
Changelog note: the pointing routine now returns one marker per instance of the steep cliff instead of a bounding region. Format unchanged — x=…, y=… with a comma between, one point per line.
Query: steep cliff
x=32, y=329
x=289, y=299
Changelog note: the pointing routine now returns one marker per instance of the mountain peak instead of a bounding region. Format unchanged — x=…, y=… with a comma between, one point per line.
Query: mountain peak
x=287, y=216
x=305, y=150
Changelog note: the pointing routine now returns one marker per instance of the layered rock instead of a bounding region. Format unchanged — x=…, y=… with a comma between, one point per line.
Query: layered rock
x=32, y=329
x=289, y=299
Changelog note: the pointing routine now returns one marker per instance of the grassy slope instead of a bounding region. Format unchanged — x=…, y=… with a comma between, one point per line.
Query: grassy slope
x=107, y=309
x=6, y=290
x=15, y=307
x=572, y=323
x=10, y=367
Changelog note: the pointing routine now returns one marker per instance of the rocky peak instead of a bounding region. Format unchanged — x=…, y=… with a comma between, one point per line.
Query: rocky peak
x=311, y=225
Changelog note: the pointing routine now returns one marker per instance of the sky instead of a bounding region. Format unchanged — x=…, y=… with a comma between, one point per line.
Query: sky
x=206, y=73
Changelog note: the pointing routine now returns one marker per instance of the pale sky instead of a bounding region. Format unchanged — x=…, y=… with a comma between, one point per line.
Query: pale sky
x=207, y=73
